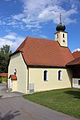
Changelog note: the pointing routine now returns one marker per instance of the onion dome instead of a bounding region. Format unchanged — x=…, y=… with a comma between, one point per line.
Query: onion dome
x=60, y=27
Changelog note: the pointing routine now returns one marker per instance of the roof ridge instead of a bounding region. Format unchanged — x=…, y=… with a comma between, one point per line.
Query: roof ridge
x=22, y=44
x=29, y=37
x=40, y=38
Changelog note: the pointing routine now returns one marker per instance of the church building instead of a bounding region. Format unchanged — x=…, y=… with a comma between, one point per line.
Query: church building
x=41, y=65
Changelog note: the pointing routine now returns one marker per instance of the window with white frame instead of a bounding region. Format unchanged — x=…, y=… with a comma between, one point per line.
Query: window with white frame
x=59, y=75
x=45, y=75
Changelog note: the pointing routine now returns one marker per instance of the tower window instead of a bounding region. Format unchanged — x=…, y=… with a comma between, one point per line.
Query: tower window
x=57, y=36
x=45, y=75
x=59, y=75
x=63, y=36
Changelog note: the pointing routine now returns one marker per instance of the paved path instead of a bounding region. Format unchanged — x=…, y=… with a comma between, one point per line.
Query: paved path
x=4, y=93
x=17, y=108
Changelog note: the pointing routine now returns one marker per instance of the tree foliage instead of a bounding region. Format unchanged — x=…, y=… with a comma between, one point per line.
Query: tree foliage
x=5, y=52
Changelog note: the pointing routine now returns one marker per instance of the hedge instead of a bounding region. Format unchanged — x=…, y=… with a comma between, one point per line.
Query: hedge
x=3, y=79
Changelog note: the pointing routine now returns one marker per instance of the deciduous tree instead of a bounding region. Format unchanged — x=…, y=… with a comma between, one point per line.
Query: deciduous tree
x=5, y=52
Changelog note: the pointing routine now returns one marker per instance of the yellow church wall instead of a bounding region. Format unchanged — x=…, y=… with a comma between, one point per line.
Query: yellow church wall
x=36, y=77
x=14, y=85
x=17, y=62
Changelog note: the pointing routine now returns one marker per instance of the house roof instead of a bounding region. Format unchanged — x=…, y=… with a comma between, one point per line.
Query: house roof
x=74, y=62
x=13, y=77
x=3, y=74
x=76, y=54
x=43, y=52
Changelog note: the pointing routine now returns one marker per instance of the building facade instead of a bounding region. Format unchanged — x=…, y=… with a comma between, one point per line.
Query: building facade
x=40, y=64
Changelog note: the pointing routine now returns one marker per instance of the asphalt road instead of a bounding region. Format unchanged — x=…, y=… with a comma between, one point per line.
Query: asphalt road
x=17, y=108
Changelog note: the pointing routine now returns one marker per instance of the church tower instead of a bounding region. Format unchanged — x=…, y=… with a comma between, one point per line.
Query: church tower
x=61, y=34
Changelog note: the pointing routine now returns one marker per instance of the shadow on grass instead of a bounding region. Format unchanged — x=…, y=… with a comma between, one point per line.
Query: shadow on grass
x=9, y=115
x=75, y=94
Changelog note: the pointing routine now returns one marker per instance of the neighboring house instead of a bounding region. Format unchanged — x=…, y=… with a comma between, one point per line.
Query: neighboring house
x=40, y=64
x=76, y=54
x=75, y=67
x=3, y=74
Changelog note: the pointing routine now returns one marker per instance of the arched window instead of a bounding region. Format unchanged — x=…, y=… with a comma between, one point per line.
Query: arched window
x=63, y=36
x=57, y=36
x=45, y=75
x=59, y=75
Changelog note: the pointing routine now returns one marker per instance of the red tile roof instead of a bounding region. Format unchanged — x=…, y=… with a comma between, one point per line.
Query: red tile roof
x=76, y=54
x=13, y=77
x=76, y=61
x=43, y=52
x=3, y=74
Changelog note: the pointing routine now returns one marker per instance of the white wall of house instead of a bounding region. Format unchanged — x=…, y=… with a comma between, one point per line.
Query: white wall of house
x=36, y=79
x=17, y=62
x=76, y=82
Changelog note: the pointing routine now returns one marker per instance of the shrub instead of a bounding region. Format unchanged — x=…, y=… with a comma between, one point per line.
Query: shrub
x=3, y=79
x=0, y=80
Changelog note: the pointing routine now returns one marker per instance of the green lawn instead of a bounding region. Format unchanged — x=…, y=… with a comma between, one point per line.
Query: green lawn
x=63, y=100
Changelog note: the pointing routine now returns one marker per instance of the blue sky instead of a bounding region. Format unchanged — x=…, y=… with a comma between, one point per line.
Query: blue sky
x=38, y=18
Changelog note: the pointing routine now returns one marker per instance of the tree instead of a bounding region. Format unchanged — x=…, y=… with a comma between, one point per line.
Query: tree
x=5, y=52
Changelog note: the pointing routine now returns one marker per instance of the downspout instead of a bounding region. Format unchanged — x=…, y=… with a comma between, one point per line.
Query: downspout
x=28, y=81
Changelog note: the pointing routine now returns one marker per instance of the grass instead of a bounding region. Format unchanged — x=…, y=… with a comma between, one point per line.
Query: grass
x=62, y=100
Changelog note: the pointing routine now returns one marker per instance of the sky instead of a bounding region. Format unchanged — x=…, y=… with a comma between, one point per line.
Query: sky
x=38, y=18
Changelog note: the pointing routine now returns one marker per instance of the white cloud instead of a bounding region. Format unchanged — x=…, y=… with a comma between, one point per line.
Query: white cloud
x=43, y=36
x=38, y=12
x=2, y=22
x=11, y=39
x=18, y=17
x=11, y=36
x=78, y=49
x=41, y=11
x=53, y=13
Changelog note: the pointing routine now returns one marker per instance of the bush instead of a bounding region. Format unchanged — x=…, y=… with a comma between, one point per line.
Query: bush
x=0, y=80
x=3, y=79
